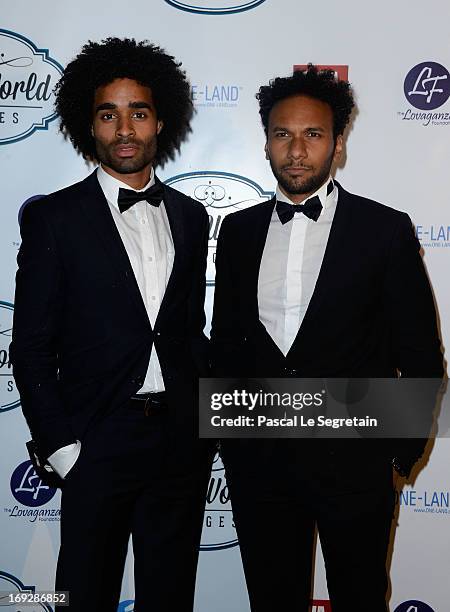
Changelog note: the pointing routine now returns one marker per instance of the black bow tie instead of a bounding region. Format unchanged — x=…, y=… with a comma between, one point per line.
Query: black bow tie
x=128, y=197
x=311, y=209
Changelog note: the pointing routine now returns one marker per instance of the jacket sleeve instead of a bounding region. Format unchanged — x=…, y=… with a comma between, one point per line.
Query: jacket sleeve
x=36, y=326
x=411, y=309
x=415, y=338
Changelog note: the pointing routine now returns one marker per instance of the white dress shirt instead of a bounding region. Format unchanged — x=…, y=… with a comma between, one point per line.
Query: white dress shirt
x=146, y=235
x=290, y=266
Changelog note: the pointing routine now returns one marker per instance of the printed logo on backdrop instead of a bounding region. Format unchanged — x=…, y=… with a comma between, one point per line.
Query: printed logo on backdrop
x=413, y=605
x=221, y=193
x=427, y=88
x=428, y=502
x=320, y=605
x=340, y=70
x=214, y=7
x=12, y=584
x=31, y=493
x=214, y=95
x=433, y=236
x=9, y=396
x=218, y=526
x=28, y=76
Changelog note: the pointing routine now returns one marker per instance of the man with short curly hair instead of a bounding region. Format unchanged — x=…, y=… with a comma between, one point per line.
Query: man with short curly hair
x=108, y=339
x=317, y=283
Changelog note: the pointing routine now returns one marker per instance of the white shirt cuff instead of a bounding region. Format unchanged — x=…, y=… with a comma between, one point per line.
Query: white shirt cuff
x=63, y=459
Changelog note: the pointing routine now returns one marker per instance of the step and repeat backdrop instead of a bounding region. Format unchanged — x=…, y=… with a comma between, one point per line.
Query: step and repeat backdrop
x=397, y=56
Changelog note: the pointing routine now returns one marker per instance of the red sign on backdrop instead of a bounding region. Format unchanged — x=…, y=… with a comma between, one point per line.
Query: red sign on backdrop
x=340, y=70
x=320, y=605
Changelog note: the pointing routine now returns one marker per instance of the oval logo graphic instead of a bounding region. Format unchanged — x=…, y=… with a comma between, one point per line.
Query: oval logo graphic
x=220, y=193
x=11, y=585
x=413, y=605
x=218, y=527
x=28, y=76
x=427, y=85
x=215, y=7
x=9, y=396
x=27, y=487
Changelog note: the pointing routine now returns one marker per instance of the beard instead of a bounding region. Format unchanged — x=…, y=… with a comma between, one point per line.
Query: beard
x=294, y=185
x=143, y=157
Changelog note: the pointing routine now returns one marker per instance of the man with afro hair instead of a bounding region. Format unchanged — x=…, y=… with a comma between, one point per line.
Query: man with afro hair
x=108, y=341
x=317, y=283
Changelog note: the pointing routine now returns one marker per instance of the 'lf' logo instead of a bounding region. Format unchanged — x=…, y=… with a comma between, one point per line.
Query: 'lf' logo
x=427, y=85
x=27, y=487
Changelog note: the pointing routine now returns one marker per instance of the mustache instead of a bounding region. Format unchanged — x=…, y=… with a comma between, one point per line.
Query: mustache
x=296, y=167
x=125, y=141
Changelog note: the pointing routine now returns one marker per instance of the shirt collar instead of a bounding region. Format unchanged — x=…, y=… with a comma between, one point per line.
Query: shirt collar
x=325, y=199
x=110, y=185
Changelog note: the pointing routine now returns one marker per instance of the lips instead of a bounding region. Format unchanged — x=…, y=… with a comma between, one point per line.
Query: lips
x=296, y=170
x=126, y=150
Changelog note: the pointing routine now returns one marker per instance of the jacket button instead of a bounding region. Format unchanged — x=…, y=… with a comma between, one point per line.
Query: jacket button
x=291, y=372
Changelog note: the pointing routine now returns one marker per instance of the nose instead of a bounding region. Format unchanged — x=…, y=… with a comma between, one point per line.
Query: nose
x=297, y=148
x=125, y=127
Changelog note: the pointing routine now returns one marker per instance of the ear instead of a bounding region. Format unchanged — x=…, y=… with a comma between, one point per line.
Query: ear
x=92, y=131
x=338, y=147
x=266, y=151
x=159, y=126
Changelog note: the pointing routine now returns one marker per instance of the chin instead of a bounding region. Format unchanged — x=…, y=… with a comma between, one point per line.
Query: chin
x=295, y=189
x=128, y=168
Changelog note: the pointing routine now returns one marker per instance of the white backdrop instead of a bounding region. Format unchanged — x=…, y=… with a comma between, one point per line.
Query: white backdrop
x=397, y=152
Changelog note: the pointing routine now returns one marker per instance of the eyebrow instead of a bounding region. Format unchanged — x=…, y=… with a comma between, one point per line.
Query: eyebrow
x=111, y=106
x=277, y=128
x=139, y=105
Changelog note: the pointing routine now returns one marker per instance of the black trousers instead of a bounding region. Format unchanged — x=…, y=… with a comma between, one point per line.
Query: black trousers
x=131, y=479
x=279, y=498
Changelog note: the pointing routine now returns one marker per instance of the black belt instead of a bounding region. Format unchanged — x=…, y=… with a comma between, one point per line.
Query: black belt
x=149, y=403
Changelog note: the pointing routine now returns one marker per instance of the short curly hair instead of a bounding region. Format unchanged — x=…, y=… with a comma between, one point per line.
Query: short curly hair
x=100, y=63
x=318, y=84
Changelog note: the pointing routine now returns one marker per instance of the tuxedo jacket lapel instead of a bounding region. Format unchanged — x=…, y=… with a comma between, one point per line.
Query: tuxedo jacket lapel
x=332, y=264
x=175, y=215
x=98, y=213
x=259, y=230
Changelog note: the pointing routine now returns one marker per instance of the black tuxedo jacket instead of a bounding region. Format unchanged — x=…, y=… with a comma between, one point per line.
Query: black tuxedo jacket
x=81, y=337
x=371, y=314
